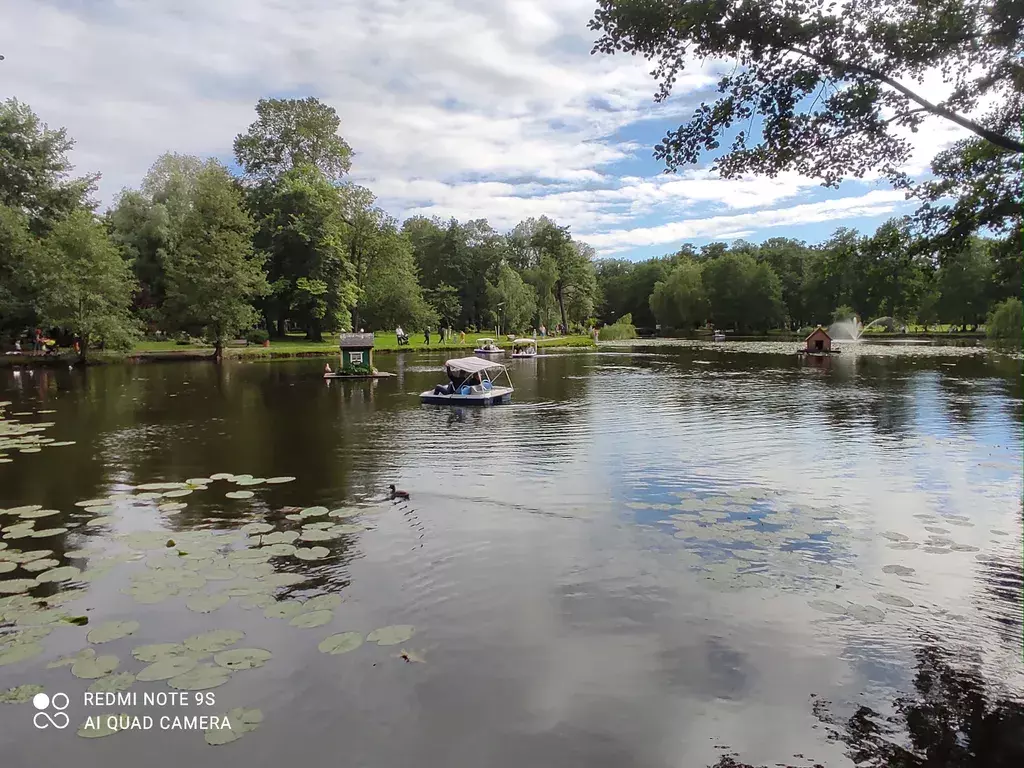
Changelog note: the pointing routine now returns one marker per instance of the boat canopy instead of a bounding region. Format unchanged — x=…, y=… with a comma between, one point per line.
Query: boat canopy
x=484, y=339
x=473, y=365
x=524, y=341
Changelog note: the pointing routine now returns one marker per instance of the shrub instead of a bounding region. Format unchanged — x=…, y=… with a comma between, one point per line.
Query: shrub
x=843, y=313
x=257, y=335
x=356, y=368
x=1006, y=323
x=622, y=328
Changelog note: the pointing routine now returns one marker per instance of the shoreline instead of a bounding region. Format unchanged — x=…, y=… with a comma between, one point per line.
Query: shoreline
x=252, y=353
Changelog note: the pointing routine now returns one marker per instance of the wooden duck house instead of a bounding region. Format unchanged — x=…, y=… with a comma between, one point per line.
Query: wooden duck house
x=818, y=342
x=356, y=350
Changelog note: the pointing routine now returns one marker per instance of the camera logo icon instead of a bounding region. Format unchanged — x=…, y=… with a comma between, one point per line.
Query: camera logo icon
x=43, y=719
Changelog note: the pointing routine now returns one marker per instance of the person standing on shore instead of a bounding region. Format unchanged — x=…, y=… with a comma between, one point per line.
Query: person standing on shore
x=426, y=335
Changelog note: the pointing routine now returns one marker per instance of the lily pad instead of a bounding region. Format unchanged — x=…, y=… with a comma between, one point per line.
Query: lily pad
x=92, y=668
x=241, y=720
x=64, y=573
x=280, y=537
x=201, y=678
x=157, y=651
x=19, y=652
x=285, y=609
x=893, y=536
x=827, y=606
x=14, y=586
x=255, y=529
x=312, y=553
x=98, y=726
x=177, y=494
x=47, y=532
x=242, y=658
x=249, y=481
x=214, y=641
x=341, y=643
x=345, y=512
x=34, y=513
x=277, y=480
x=347, y=528
x=866, y=613
x=239, y=494
x=899, y=570
x=206, y=603
x=891, y=599
x=317, y=535
x=122, y=681
x=85, y=653
x=21, y=694
x=281, y=550
x=314, y=511
x=166, y=667
x=312, y=619
x=172, y=506
x=6, y=566
x=112, y=630
x=391, y=635
x=322, y=602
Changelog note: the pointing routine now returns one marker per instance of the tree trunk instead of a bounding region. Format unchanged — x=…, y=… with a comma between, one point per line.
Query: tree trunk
x=83, y=345
x=313, y=331
x=218, y=351
x=561, y=308
x=280, y=326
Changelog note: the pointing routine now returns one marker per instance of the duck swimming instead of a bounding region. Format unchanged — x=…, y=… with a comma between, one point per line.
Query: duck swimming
x=397, y=494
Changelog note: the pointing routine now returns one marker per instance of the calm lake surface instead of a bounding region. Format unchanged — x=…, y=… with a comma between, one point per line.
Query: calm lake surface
x=672, y=555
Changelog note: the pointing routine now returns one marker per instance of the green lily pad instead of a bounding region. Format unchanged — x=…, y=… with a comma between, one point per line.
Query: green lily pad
x=280, y=537
x=239, y=494
x=98, y=726
x=92, y=668
x=34, y=513
x=236, y=478
x=285, y=609
x=312, y=553
x=827, y=606
x=206, y=603
x=312, y=619
x=242, y=658
x=214, y=641
x=148, y=496
x=345, y=512
x=172, y=506
x=19, y=652
x=339, y=530
x=391, y=635
x=201, y=678
x=893, y=536
x=256, y=601
x=281, y=550
x=282, y=579
x=6, y=566
x=341, y=643
x=65, y=661
x=35, y=566
x=241, y=720
x=122, y=681
x=21, y=694
x=14, y=586
x=157, y=651
x=317, y=535
x=866, y=613
x=222, y=476
x=277, y=480
x=255, y=529
x=47, y=532
x=22, y=510
x=112, y=630
x=294, y=516
x=249, y=481
x=323, y=602
x=313, y=512
x=254, y=570
x=897, y=600
x=166, y=667
x=899, y=570
x=177, y=494
x=64, y=573
x=320, y=525
x=198, y=480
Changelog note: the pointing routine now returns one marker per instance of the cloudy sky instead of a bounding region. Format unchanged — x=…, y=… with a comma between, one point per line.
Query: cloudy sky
x=460, y=108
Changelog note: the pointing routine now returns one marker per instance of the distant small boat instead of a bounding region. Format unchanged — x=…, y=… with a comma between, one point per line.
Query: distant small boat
x=524, y=348
x=719, y=336
x=487, y=347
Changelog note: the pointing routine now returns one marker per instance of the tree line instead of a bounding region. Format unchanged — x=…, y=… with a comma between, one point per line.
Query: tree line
x=284, y=244
x=786, y=283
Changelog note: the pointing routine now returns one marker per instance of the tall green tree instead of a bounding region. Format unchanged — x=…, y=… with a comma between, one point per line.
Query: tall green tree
x=301, y=235
x=213, y=276
x=893, y=272
x=21, y=276
x=575, y=285
x=679, y=301
x=142, y=229
x=963, y=282
x=788, y=259
x=513, y=303
x=742, y=294
x=292, y=133
x=35, y=172
x=830, y=84
x=86, y=285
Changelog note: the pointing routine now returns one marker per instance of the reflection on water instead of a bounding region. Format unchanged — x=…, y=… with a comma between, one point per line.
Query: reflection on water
x=688, y=555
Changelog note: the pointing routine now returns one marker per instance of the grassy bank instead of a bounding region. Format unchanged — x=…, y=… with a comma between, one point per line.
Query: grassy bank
x=295, y=346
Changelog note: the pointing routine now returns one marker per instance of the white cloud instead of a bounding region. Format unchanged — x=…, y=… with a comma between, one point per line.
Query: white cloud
x=454, y=107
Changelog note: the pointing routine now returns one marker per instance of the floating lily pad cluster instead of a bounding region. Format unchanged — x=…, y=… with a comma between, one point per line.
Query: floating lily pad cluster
x=201, y=571
x=24, y=437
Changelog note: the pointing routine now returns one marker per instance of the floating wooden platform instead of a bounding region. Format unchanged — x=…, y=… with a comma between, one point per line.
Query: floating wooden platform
x=378, y=375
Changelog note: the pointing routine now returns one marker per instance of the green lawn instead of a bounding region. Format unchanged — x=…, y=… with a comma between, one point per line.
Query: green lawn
x=383, y=341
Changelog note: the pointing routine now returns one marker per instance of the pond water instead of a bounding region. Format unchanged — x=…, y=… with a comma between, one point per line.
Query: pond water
x=671, y=555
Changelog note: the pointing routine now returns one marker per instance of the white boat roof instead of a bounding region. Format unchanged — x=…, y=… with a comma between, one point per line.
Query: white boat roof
x=525, y=341
x=485, y=338
x=472, y=364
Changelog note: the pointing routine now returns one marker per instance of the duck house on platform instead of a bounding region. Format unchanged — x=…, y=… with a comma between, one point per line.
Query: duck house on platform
x=818, y=342
x=356, y=350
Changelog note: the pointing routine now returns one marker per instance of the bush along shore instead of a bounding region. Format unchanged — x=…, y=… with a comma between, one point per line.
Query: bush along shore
x=384, y=343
